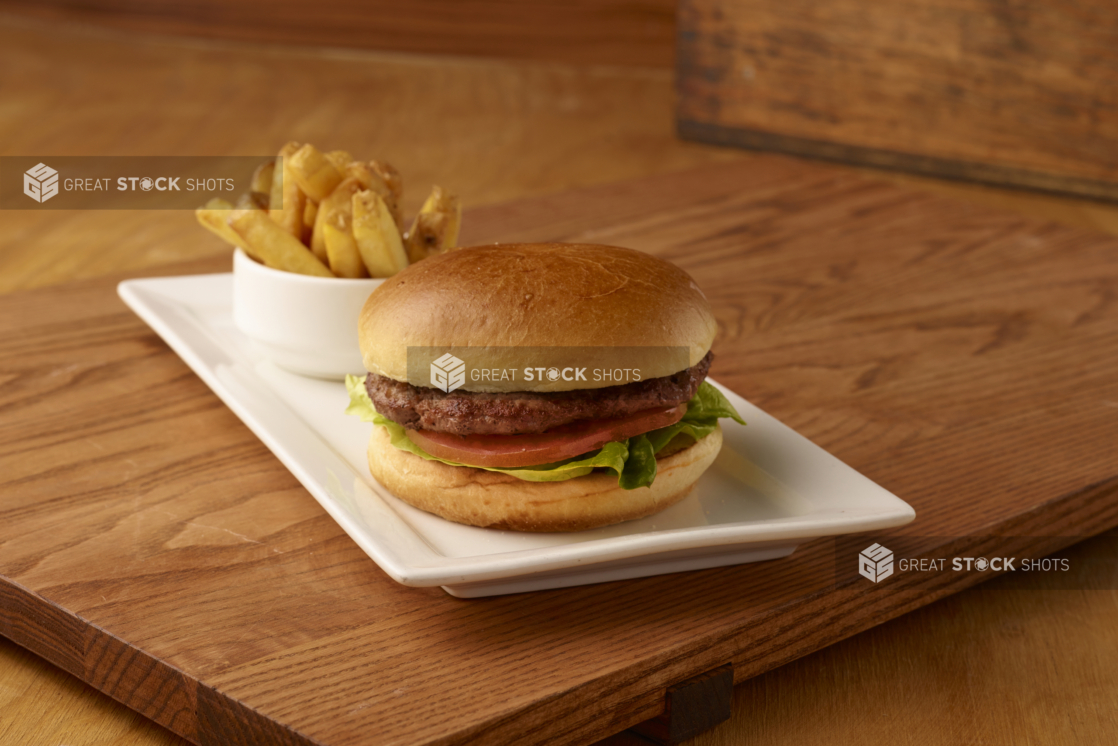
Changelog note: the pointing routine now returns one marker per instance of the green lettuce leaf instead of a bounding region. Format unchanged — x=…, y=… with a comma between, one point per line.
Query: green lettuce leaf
x=632, y=460
x=640, y=468
x=360, y=405
x=708, y=404
x=703, y=412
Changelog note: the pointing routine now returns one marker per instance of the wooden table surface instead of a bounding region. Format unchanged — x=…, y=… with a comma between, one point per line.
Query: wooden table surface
x=941, y=675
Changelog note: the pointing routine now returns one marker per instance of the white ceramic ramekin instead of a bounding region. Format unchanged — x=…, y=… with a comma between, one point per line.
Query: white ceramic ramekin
x=307, y=325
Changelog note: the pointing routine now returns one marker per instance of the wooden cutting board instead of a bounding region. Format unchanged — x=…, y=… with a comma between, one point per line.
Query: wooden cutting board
x=151, y=546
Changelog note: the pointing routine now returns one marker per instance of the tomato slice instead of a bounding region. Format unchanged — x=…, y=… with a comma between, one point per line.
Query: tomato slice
x=534, y=449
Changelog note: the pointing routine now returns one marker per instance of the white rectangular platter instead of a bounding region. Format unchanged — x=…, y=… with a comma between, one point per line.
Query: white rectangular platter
x=769, y=490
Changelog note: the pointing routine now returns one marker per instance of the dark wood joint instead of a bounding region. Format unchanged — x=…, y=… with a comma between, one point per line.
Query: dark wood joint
x=692, y=706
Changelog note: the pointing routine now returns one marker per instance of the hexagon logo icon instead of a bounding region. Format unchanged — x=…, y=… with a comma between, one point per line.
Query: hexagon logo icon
x=875, y=563
x=40, y=182
x=448, y=373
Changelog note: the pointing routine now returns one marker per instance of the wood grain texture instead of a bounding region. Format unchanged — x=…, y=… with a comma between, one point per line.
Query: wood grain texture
x=909, y=335
x=603, y=32
x=977, y=663
x=1023, y=93
x=930, y=676
x=69, y=712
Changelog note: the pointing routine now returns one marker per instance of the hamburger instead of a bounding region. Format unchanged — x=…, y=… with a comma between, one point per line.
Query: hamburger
x=539, y=387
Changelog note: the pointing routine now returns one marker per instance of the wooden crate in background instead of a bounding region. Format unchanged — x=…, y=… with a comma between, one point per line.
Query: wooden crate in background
x=1015, y=92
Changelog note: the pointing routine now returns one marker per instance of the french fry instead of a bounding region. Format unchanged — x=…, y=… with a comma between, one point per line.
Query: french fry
x=286, y=200
x=273, y=245
x=340, y=159
x=345, y=259
x=262, y=179
x=314, y=172
x=252, y=201
x=310, y=212
x=325, y=214
x=366, y=177
x=370, y=178
x=395, y=183
x=435, y=228
x=450, y=205
x=340, y=200
x=376, y=235
x=424, y=238
x=212, y=216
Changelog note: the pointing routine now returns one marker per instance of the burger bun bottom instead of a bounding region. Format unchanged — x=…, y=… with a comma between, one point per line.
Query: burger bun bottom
x=494, y=500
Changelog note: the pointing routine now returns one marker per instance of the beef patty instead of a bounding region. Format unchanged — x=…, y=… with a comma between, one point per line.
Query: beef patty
x=472, y=413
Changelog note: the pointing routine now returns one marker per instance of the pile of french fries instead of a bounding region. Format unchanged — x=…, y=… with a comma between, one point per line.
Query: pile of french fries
x=329, y=215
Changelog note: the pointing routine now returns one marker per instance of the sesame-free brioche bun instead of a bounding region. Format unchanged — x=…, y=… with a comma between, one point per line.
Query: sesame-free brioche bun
x=494, y=500
x=495, y=299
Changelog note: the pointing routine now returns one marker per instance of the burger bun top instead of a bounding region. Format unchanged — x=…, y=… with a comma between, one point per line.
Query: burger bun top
x=497, y=299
